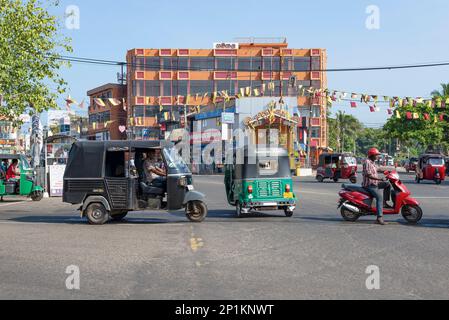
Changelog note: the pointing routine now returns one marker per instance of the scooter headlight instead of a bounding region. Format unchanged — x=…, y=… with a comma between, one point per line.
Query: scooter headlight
x=182, y=182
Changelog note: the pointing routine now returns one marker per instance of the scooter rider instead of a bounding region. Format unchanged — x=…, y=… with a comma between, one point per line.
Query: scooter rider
x=373, y=184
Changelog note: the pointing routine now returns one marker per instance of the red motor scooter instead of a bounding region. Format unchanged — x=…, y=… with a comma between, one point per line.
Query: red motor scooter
x=356, y=202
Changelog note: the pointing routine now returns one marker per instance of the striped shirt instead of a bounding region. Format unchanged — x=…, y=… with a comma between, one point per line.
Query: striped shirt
x=369, y=169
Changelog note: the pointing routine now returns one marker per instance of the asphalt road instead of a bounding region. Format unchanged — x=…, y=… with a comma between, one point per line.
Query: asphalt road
x=313, y=255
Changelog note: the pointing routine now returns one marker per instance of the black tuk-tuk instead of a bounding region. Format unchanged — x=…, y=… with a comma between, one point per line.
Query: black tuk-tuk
x=260, y=181
x=108, y=180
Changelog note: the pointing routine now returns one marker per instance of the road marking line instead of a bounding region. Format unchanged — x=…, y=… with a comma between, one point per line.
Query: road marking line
x=11, y=203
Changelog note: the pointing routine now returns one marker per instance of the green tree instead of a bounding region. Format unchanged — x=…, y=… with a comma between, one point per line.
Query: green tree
x=30, y=48
x=343, y=130
x=444, y=93
x=417, y=133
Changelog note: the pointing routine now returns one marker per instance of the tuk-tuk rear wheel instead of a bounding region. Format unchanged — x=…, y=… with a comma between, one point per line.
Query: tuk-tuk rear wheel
x=196, y=211
x=97, y=214
x=353, y=179
x=37, y=196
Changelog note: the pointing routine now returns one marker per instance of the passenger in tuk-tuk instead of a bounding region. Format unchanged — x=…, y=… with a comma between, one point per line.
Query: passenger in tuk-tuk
x=154, y=167
x=13, y=172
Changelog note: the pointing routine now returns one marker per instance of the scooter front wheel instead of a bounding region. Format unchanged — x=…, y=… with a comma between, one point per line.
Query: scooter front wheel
x=412, y=214
x=196, y=211
x=348, y=215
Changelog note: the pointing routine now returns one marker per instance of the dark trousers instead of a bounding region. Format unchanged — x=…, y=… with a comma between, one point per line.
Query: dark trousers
x=382, y=194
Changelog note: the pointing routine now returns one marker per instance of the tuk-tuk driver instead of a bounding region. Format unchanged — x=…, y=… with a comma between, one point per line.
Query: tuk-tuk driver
x=154, y=169
x=373, y=184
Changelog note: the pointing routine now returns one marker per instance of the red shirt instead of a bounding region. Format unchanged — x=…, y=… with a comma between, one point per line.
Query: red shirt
x=12, y=172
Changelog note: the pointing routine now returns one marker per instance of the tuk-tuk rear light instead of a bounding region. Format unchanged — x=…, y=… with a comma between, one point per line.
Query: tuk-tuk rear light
x=288, y=188
x=250, y=189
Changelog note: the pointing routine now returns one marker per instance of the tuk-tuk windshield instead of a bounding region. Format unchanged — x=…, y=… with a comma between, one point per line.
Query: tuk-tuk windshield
x=175, y=162
x=25, y=164
x=436, y=161
x=350, y=161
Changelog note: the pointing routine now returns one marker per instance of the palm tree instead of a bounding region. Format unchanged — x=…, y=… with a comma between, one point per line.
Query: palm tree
x=347, y=127
x=443, y=93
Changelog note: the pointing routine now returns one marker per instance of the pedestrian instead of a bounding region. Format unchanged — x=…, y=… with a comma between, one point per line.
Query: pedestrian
x=379, y=188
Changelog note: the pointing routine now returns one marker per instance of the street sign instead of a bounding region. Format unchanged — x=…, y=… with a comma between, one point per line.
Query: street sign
x=227, y=118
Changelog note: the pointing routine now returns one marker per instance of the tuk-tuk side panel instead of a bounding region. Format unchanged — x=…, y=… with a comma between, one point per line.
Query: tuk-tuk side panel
x=26, y=186
x=175, y=192
x=2, y=187
x=118, y=192
x=76, y=190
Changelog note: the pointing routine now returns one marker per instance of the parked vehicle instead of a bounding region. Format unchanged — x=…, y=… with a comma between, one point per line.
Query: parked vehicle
x=431, y=167
x=410, y=165
x=260, y=181
x=337, y=166
x=356, y=201
x=447, y=166
x=24, y=186
x=107, y=179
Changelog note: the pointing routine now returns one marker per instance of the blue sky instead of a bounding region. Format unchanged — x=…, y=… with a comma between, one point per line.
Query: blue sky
x=410, y=32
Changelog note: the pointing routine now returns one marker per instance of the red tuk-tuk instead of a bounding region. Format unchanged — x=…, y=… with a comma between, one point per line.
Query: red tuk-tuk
x=337, y=166
x=431, y=167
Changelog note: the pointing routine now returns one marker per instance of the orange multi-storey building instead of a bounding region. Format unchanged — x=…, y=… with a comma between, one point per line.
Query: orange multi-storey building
x=105, y=121
x=160, y=80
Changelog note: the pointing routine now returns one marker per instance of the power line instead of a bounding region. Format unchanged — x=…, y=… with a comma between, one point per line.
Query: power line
x=171, y=68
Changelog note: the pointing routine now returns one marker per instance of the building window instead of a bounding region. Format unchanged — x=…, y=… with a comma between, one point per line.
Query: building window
x=316, y=63
x=225, y=63
x=201, y=86
x=316, y=84
x=151, y=111
x=287, y=64
x=138, y=88
x=152, y=63
x=226, y=85
x=152, y=88
x=315, y=132
x=302, y=64
x=316, y=111
x=138, y=112
x=202, y=63
x=180, y=87
x=250, y=64
x=272, y=63
x=166, y=88
x=166, y=63
x=139, y=63
x=183, y=63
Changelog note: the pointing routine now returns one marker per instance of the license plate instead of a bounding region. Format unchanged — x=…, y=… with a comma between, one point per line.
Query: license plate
x=190, y=188
x=288, y=195
x=270, y=204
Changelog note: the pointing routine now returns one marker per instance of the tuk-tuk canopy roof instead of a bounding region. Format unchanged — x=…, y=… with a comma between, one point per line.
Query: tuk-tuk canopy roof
x=11, y=156
x=431, y=155
x=86, y=158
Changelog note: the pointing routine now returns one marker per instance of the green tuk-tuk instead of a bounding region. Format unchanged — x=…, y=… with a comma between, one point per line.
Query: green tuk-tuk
x=259, y=180
x=25, y=185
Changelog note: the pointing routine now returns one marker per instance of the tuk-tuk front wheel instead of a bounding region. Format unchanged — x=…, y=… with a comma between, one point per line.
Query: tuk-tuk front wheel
x=288, y=213
x=37, y=196
x=97, y=214
x=353, y=179
x=196, y=211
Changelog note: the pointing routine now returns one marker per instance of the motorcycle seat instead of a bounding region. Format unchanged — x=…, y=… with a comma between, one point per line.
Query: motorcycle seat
x=355, y=188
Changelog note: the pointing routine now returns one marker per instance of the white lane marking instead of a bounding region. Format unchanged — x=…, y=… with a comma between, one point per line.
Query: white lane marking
x=327, y=194
x=11, y=203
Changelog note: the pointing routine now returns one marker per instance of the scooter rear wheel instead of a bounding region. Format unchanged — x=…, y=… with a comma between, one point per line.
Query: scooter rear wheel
x=412, y=214
x=348, y=215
